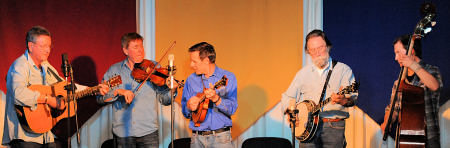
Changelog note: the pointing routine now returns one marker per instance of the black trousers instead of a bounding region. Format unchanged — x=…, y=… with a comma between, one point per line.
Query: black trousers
x=19, y=143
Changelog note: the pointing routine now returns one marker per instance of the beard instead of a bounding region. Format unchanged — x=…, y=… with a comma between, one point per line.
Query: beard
x=321, y=61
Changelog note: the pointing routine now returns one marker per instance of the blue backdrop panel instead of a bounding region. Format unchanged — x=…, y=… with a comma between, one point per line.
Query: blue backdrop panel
x=362, y=33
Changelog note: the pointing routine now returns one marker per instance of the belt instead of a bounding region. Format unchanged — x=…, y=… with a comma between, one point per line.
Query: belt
x=211, y=132
x=331, y=120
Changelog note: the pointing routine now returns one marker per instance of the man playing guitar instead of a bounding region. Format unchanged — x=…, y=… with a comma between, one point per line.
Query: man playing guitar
x=32, y=68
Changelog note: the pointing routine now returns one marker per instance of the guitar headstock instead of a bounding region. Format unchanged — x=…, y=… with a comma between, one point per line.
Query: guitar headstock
x=114, y=81
x=222, y=82
x=350, y=89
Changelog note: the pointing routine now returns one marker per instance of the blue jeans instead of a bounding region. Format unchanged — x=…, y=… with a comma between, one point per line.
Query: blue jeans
x=329, y=135
x=147, y=141
x=218, y=140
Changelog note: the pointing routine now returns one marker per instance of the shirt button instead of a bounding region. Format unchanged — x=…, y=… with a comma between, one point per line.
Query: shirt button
x=133, y=122
x=133, y=109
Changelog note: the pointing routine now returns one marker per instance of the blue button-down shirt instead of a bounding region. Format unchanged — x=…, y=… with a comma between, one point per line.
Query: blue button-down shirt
x=22, y=73
x=217, y=116
x=308, y=84
x=139, y=118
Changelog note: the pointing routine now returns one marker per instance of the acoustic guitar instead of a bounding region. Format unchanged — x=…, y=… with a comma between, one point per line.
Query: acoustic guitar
x=43, y=118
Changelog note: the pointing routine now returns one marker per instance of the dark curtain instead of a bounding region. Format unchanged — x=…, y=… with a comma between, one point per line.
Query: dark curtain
x=362, y=33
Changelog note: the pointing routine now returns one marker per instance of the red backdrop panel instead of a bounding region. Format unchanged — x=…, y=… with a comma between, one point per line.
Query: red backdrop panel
x=88, y=31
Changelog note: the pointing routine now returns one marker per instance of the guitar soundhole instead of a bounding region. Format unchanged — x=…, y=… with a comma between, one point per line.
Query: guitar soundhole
x=56, y=112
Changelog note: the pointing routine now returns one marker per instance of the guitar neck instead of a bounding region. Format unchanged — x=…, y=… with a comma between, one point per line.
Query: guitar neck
x=86, y=92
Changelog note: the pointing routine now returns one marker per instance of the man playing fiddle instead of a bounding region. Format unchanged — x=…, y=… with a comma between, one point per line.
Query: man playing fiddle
x=135, y=117
x=215, y=130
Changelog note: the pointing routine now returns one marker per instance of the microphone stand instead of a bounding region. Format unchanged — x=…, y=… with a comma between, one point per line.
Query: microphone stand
x=292, y=118
x=68, y=72
x=75, y=104
x=172, y=110
x=171, y=69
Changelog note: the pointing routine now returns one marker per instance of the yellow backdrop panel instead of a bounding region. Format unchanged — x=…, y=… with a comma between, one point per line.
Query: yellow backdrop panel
x=260, y=41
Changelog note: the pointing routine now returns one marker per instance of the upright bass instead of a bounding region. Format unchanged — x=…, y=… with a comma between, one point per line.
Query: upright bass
x=411, y=126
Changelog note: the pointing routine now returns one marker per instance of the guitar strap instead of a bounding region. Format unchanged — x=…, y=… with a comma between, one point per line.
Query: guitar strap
x=326, y=82
x=54, y=74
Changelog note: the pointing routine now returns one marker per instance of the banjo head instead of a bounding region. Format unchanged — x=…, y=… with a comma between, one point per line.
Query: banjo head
x=304, y=109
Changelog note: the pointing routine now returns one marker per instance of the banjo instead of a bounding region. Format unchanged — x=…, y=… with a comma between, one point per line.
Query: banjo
x=308, y=115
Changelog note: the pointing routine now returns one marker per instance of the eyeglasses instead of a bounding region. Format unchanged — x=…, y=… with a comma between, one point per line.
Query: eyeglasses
x=136, y=47
x=43, y=46
x=317, y=49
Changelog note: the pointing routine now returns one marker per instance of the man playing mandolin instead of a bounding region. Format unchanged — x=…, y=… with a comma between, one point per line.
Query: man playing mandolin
x=214, y=131
x=31, y=69
x=308, y=85
x=423, y=75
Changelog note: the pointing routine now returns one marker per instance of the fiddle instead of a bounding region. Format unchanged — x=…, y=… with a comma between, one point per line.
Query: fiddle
x=147, y=71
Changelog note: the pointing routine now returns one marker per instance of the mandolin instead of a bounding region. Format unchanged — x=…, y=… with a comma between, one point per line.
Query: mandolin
x=199, y=115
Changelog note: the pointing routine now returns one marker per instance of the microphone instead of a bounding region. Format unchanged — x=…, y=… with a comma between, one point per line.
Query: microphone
x=171, y=57
x=65, y=65
x=291, y=109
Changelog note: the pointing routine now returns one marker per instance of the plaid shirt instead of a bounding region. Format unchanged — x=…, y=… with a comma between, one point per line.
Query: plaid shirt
x=431, y=104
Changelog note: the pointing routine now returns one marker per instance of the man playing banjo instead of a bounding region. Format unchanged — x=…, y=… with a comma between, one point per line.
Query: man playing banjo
x=316, y=82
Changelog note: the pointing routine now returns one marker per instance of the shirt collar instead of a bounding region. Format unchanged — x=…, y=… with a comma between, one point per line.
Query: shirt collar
x=321, y=71
x=125, y=64
x=216, y=72
x=30, y=61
